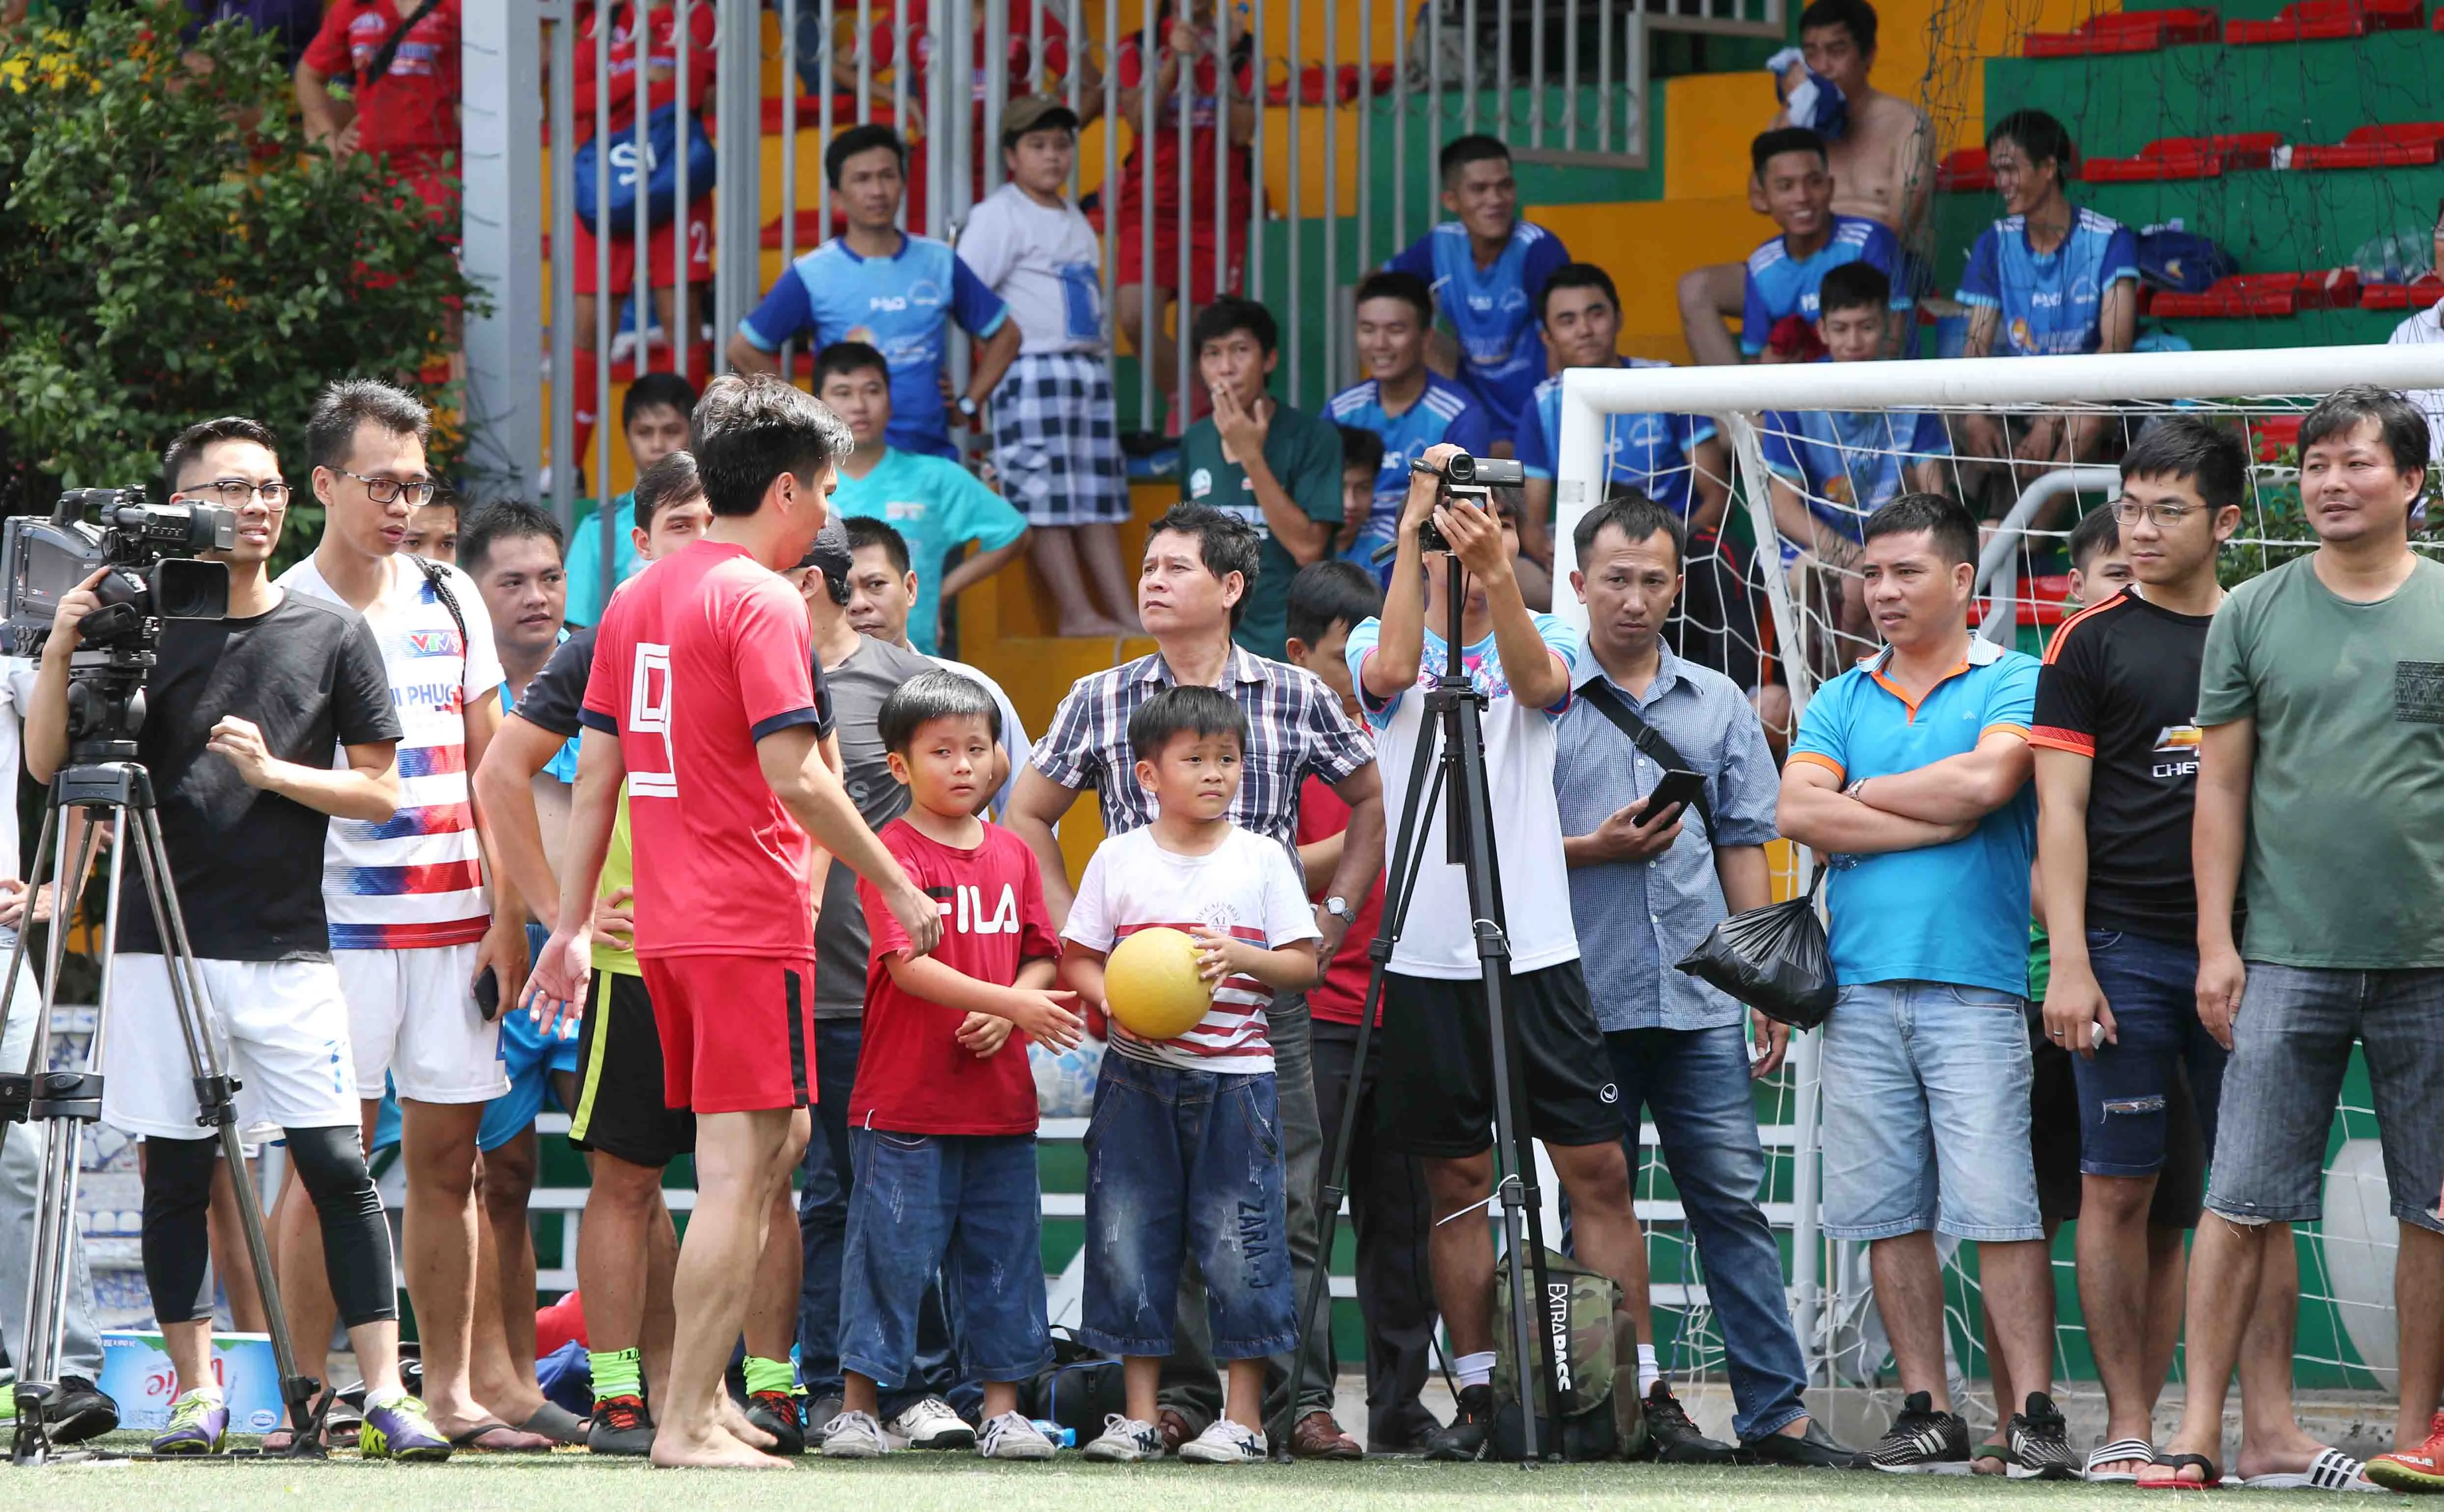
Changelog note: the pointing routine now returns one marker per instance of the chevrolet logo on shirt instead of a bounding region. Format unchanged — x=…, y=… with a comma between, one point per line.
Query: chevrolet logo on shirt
x=2180, y=743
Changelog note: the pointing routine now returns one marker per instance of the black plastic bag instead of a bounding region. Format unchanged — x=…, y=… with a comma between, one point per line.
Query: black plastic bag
x=1773, y=959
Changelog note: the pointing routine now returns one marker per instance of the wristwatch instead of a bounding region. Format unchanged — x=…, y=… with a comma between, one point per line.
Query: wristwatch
x=968, y=405
x=1339, y=908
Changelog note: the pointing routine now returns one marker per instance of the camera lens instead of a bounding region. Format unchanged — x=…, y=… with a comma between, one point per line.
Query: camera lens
x=1460, y=467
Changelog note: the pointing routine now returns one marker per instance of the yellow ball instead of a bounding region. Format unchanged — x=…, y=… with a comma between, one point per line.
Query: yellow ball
x=1151, y=984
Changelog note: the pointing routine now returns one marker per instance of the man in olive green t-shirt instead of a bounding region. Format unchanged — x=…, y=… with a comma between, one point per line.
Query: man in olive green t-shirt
x=1277, y=468
x=2320, y=777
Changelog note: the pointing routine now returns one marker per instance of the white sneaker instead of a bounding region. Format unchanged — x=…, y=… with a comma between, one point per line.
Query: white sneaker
x=854, y=1436
x=1010, y=1436
x=1126, y=1439
x=932, y=1425
x=1225, y=1442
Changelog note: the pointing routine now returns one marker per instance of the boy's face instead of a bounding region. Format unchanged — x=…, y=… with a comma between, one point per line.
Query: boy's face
x=1391, y=339
x=1356, y=499
x=432, y=532
x=946, y=763
x=862, y=397
x=526, y=588
x=2102, y=575
x=675, y=525
x=1582, y=327
x=1854, y=335
x=880, y=597
x=1194, y=776
x=655, y=433
x=1836, y=54
x=1798, y=193
x=1040, y=161
x=1484, y=197
x=1329, y=659
x=1237, y=363
x=870, y=187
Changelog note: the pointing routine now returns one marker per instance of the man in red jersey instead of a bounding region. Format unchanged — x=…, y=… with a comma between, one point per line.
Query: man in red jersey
x=703, y=681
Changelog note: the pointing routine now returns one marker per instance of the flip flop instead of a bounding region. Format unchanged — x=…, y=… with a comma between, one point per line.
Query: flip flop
x=1991, y=1451
x=2331, y=1470
x=493, y=1436
x=2171, y=1465
x=2120, y=1449
x=556, y=1422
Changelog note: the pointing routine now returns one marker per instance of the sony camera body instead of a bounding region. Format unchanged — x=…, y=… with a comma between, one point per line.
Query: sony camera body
x=150, y=550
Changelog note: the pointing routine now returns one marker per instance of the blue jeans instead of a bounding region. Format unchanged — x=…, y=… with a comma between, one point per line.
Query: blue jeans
x=1926, y=1113
x=1184, y=1162
x=965, y=1207
x=1697, y=1084
x=2150, y=985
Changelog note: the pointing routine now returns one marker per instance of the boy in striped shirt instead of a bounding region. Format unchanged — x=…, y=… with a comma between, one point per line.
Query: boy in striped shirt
x=1184, y=1148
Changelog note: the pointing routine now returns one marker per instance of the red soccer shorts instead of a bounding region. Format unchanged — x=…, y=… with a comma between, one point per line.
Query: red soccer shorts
x=657, y=254
x=738, y=1031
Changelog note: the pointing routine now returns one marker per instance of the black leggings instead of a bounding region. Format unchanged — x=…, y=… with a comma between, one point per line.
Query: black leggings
x=331, y=1163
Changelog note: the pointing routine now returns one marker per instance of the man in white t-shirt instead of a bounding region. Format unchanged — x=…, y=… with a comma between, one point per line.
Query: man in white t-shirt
x=2424, y=328
x=1055, y=442
x=413, y=932
x=1437, y=1081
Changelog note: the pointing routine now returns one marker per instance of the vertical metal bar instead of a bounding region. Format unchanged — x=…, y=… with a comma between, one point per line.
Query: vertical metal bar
x=827, y=60
x=604, y=301
x=1330, y=284
x=1108, y=192
x=1149, y=71
x=1535, y=72
x=996, y=82
x=1296, y=226
x=738, y=215
x=1184, y=118
x=1434, y=104
x=1035, y=65
x=958, y=178
x=1073, y=56
x=640, y=272
x=1365, y=132
x=790, y=14
x=682, y=243
x=1502, y=69
x=1604, y=76
x=563, y=268
x=1401, y=37
x=899, y=61
x=1222, y=182
x=1468, y=66
x=1257, y=96
x=1570, y=74
x=865, y=73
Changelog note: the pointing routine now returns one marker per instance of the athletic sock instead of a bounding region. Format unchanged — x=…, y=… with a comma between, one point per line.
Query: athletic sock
x=617, y=1372
x=769, y=1375
x=385, y=1398
x=210, y=1393
x=1475, y=1369
x=1648, y=1374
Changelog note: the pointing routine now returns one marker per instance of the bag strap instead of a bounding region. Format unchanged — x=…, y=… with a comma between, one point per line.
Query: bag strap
x=389, y=49
x=441, y=582
x=1599, y=694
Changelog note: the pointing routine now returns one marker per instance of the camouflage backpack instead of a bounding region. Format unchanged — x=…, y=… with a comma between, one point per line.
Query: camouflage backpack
x=1595, y=1365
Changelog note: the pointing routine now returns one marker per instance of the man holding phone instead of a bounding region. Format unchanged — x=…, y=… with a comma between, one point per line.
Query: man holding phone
x=1666, y=794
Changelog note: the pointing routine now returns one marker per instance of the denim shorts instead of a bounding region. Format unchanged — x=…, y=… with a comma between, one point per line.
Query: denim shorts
x=1183, y=1162
x=967, y=1206
x=2125, y=1092
x=2291, y=1047
x=1926, y=1113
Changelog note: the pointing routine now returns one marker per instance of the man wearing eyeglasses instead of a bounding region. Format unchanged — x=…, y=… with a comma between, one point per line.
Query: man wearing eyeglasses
x=412, y=931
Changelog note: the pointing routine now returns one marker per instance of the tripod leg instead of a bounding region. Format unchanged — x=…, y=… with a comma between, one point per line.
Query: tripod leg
x=37, y=1051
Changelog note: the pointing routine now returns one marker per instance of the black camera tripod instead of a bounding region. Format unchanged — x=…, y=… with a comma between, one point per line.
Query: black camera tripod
x=1453, y=722
x=67, y=1102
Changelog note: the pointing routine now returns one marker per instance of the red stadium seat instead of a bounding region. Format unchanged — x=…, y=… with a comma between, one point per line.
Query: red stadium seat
x=2414, y=144
x=2246, y=295
x=2417, y=295
x=2186, y=158
x=2322, y=19
x=2273, y=434
x=2125, y=31
x=1964, y=172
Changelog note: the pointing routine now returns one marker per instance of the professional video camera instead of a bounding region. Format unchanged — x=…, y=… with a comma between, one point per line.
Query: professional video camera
x=149, y=549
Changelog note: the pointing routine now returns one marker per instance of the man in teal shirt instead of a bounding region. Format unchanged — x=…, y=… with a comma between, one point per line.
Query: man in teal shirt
x=1261, y=461
x=933, y=502
x=654, y=417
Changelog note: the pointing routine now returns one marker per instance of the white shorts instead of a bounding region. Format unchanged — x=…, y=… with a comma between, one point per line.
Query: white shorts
x=280, y=1028
x=411, y=1016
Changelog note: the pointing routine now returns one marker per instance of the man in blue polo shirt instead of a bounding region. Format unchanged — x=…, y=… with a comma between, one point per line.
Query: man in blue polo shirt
x=1405, y=403
x=1910, y=779
x=1778, y=300
x=893, y=291
x=1487, y=266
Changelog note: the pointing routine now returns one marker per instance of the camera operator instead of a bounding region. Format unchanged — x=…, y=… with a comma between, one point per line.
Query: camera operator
x=1437, y=1079
x=243, y=715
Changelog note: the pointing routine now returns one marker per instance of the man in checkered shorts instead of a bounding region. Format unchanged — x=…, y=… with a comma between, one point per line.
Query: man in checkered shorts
x=1054, y=441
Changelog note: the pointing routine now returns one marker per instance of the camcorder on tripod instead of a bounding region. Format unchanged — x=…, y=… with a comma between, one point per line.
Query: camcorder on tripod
x=145, y=555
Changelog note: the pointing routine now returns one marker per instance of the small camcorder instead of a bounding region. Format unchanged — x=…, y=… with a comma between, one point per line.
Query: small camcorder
x=150, y=550
x=1472, y=478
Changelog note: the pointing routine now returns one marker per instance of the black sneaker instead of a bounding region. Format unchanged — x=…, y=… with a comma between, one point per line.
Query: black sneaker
x=2040, y=1443
x=1672, y=1438
x=1923, y=1441
x=1469, y=1428
x=776, y=1412
x=620, y=1424
x=1811, y=1450
x=79, y=1410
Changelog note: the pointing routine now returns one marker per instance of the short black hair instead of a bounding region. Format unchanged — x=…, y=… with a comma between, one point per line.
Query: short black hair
x=748, y=430
x=1636, y=517
x=1576, y=275
x=1360, y=448
x=1230, y=314
x=1947, y=521
x=2341, y=412
x=507, y=520
x=1474, y=148
x=1392, y=283
x=657, y=391
x=2039, y=135
x=1769, y=145
x=939, y=693
x=1184, y=711
x=670, y=481
x=849, y=356
x=2095, y=535
x=1852, y=286
x=1328, y=593
x=2193, y=448
x=864, y=531
x=1225, y=542
x=858, y=139
x=332, y=432
x=193, y=440
x=1856, y=16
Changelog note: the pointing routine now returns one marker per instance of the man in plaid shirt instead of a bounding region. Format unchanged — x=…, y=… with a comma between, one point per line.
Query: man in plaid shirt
x=1199, y=564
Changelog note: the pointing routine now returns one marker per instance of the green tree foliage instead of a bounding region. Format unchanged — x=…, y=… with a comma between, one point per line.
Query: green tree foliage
x=171, y=250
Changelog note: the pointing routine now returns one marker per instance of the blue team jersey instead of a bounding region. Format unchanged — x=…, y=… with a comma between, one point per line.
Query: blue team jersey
x=1851, y=463
x=1650, y=453
x=2054, y=303
x=1492, y=310
x=1445, y=412
x=1780, y=286
x=900, y=305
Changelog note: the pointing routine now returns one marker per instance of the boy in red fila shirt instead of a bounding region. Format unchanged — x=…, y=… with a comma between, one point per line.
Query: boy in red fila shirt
x=942, y=1119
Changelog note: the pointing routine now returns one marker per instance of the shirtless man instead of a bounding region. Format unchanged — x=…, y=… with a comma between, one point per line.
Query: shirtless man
x=1882, y=167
